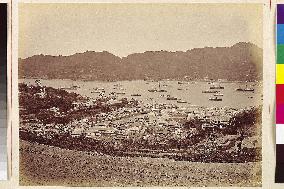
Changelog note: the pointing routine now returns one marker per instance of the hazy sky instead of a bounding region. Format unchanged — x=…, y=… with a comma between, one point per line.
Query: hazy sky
x=126, y=28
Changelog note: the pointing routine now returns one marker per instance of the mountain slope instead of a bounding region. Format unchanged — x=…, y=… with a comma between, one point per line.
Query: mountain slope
x=242, y=61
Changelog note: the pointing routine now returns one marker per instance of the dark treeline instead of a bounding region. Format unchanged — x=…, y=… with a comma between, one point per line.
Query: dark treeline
x=130, y=148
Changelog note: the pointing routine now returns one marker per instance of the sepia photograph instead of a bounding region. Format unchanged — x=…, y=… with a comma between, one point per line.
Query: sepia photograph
x=140, y=94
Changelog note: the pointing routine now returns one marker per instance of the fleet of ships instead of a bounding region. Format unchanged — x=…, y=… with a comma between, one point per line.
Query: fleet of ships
x=214, y=89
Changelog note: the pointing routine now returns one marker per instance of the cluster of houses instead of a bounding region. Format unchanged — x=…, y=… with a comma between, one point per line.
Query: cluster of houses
x=213, y=118
x=150, y=121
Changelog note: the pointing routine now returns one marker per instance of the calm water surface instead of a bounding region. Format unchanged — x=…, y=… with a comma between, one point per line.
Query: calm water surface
x=191, y=92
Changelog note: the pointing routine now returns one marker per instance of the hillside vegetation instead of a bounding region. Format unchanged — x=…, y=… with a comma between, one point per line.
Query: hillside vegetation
x=241, y=62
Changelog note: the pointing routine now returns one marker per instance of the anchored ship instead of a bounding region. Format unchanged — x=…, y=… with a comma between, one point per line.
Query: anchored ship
x=246, y=89
x=215, y=99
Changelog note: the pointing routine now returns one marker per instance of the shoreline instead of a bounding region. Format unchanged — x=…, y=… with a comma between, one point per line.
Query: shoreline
x=150, y=80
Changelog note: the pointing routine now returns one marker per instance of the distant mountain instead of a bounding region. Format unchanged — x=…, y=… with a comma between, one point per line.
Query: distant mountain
x=242, y=61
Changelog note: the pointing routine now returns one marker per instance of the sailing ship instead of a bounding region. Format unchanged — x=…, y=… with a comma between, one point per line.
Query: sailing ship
x=180, y=82
x=136, y=95
x=246, y=89
x=117, y=85
x=98, y=90
x=120, y=93
x=152, y=90
x=162, y=90
x=215, y=98
x=210, y=91
x=171, y=97
x=218, y=94
x=159, y=90
x=216, y=87
x=181, y=101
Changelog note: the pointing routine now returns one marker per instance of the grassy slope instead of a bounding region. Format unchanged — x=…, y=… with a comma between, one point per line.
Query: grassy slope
x=45, y=165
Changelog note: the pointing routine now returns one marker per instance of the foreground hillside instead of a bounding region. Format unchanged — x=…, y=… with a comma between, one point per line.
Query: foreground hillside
x=46, y=165
x=243, y=62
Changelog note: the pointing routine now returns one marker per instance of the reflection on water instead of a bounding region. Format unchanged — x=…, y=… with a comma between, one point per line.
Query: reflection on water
x=186, y=93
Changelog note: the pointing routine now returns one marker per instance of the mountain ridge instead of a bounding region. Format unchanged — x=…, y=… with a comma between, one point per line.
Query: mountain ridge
x=243, y=62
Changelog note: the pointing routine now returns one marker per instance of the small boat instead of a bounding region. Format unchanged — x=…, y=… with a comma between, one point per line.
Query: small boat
x=120, y=93
x=95, y=91
x=74, y=87
x=162, y=90
x=215, y=99
x=181, y=101
x=246, y=89
x=218, y=94
x=99, y=89
x=216, y=86
x=210, y=91
x=171, y=98
x=136, y=95
x=152, y=90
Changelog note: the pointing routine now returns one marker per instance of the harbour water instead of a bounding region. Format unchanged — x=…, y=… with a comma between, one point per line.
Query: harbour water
x=189, y=93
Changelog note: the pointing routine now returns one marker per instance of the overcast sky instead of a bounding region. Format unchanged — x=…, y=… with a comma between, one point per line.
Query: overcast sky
x=123, y=29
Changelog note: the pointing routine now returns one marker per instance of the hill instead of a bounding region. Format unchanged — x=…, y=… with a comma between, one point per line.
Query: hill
x=46, y=165
x=242, y=61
